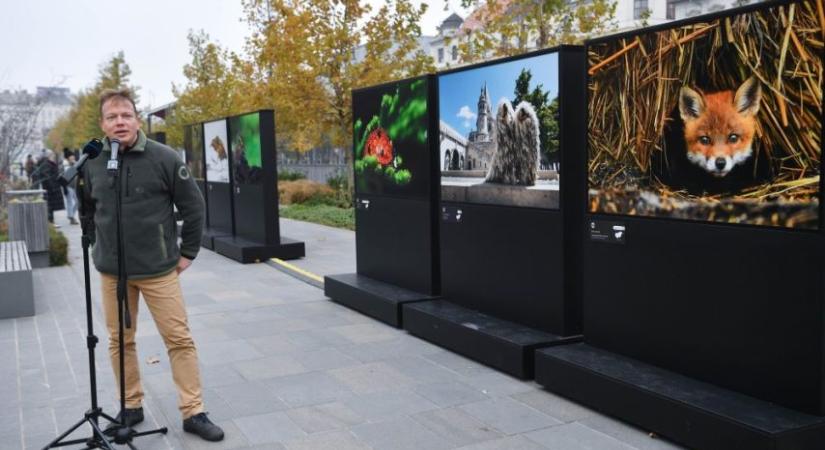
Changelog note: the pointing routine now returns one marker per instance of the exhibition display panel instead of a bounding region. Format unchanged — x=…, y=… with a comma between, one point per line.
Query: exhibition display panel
x=394, y=129
x=704, y=276
x=218, y=190
x=193, y=155
x=512, y=197
x=253, y=177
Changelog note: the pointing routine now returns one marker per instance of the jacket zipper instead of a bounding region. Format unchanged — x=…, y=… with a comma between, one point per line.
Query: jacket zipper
x=128, y=176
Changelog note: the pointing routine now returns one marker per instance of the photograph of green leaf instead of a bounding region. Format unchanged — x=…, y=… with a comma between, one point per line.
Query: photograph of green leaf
x=245, y=142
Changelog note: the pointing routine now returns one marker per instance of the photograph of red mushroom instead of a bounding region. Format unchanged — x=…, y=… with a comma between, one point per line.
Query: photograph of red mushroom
x=390, y=139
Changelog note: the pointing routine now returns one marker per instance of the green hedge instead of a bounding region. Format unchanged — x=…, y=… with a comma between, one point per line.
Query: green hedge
x=289, y=175
x=320, y=213
x=58, y=247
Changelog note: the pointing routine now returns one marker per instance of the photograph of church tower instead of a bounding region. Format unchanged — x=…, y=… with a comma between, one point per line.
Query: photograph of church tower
x=498, y=133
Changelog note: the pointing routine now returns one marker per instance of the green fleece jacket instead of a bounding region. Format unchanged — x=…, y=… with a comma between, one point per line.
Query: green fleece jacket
x=153, y=179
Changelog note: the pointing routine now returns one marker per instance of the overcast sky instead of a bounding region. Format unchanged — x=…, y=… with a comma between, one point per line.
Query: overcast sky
x=58, y=42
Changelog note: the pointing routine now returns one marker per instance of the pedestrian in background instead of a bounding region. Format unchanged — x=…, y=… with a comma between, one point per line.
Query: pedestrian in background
x=44, y=177
x=69, y=191
x=29, y=167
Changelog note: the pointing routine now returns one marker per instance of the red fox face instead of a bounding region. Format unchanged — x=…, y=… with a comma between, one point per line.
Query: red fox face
x=719, y=127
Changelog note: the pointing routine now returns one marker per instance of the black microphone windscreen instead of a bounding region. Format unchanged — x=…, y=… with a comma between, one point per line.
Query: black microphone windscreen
x=93, y=148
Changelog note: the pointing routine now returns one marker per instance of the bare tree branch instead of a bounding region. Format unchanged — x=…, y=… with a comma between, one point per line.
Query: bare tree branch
x=19, y=112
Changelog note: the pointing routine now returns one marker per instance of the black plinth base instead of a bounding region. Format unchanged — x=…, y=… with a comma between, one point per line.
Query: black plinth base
x=693, y=413
x=246, y=251
x=209, y=235
x=506, y=346
x=382, y=301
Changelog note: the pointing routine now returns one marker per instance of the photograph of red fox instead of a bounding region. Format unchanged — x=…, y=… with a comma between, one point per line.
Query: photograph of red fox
x=713, y=119
x=720, y=127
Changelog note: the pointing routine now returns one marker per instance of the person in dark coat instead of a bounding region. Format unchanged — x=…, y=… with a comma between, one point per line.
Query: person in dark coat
x=29, y=167
x=45, y=177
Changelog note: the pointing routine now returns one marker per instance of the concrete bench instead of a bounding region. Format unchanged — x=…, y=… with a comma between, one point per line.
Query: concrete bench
x=16, y=284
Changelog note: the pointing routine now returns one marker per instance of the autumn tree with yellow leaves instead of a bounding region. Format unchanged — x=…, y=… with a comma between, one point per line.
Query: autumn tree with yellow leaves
x=511, y=27
x=82, y=122
x=302, y=59
x=219, y=84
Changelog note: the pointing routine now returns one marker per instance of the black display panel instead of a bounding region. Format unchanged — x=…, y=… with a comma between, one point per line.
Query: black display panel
x=217, y=155
x=737, y=307
x=394, y=242
x=517, y=262
x=516, y=275
x=193, y=150
x=219, y=207
x=254, y=177
x=717, y=119
x=245, y=141
x=499, y=133
x=390, y=132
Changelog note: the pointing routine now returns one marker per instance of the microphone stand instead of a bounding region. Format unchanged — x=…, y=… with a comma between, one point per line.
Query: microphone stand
x=98, y=439
x=123, y=433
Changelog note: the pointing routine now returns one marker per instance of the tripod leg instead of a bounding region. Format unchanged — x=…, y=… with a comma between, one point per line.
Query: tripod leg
x=161, y=430
x=55, y=442
x=97, y=440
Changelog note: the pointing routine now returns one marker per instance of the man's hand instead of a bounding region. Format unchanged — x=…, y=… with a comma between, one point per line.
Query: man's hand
x=183, y=264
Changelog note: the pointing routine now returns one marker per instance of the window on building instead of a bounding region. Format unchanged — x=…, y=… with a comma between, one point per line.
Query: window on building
x=455, y=52
x=671, y=11
x=639, y=8
x=441, y=54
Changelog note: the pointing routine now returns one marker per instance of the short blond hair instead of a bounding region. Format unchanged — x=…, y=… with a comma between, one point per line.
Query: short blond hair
x=121, y=93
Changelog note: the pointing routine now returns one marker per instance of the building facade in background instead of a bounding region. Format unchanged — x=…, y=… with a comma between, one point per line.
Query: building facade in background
x=444, y=46
x=48, y=103
x=26, y=119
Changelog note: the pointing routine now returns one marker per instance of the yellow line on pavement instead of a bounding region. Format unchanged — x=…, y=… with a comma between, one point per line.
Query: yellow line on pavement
x=299, y=270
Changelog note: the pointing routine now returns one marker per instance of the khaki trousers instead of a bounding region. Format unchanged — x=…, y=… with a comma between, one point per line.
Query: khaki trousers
x=164, y=299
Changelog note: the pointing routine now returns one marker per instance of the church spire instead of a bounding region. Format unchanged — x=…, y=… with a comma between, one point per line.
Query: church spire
x=483, y=122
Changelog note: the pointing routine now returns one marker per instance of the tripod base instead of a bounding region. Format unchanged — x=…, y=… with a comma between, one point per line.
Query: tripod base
x=97, y=440
x=123, y=434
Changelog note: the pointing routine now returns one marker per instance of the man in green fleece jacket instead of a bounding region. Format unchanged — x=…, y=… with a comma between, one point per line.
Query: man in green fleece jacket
x=152, y=180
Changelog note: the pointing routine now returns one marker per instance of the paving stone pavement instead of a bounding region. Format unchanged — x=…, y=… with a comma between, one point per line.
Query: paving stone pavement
x=282, y=368
x=329, y=250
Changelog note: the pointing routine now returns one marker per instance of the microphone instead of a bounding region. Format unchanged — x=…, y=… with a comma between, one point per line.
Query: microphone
x=112, y=164
x=90, y=151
